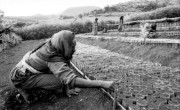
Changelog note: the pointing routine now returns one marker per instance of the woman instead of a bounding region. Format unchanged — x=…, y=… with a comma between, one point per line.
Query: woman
x=47, y=67
x=95, y=27
x=121, y=21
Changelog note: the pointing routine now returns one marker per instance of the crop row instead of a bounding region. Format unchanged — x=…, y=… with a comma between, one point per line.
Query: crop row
x=142, y=84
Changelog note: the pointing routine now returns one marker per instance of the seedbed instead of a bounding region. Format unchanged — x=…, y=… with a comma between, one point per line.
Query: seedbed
x=142, y=85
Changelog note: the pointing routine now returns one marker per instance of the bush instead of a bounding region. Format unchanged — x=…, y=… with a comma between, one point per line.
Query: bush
x=19, y=24
x=80, y=27
x=38, y=31
x=166, y=12
x=41, y=31
x=148, y=7
x=1, y=16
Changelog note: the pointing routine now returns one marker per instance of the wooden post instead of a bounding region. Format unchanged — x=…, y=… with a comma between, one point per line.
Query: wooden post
x=115, y=98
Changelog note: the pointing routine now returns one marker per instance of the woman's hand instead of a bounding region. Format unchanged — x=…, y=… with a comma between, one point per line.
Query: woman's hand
x=74, y=91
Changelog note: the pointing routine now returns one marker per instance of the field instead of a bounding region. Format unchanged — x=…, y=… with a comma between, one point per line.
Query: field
x=146, y=81
x=143, y=84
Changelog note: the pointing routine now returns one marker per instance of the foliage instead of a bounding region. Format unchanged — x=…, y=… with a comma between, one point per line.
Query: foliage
x=63, y=17
x=41, y=31
x=136, y=6
x=1, y=16
x=106, y=8
x=19, y=24
x=148, y=7
x=80, y=15
x=166, y=12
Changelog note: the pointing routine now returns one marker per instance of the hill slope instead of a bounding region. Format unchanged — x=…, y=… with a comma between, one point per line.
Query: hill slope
x=74, y=11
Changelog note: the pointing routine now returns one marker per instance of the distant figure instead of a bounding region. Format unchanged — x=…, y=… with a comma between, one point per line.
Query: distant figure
x=95, y=26
x=152, y=31
x=145, y=30
x=121, y=21
x=148, y=30
x=105, y=29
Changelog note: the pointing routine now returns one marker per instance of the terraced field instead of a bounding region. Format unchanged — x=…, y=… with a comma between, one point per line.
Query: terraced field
x=142, y=85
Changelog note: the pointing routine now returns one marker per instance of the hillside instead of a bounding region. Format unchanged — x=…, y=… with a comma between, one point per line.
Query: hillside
x=74, y=11
x=144, y=5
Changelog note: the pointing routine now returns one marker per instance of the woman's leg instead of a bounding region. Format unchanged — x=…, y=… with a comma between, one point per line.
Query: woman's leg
x=42, y=81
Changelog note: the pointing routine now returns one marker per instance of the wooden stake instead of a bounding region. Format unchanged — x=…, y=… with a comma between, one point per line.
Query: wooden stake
x=115, y=99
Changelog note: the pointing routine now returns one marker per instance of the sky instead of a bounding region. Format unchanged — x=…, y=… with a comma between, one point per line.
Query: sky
x=48, y=7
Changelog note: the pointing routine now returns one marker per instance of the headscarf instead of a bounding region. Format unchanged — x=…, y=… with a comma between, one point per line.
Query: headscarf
x=60, y=47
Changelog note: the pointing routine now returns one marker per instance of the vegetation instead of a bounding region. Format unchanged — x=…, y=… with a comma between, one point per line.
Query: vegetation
x=148, y=9
x=33, y=27
x=63, y=17
x=41, y=31
x=1, y=16
x=166, y=12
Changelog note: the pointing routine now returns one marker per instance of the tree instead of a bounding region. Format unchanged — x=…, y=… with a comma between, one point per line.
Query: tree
x=106, y=8
x=80, y=15
x=1, y=16
x=113, y=9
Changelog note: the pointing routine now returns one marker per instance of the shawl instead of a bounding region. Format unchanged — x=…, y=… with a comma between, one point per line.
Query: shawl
x=60, y=47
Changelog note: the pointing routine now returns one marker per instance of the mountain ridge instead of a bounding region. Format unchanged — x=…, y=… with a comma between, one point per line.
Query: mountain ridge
x=74, y=11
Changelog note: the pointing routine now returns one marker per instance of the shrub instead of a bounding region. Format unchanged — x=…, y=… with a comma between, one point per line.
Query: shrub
x=19, y=24
x=166, y=12
x=1, y=16
x=41, y=31
x=87, y=26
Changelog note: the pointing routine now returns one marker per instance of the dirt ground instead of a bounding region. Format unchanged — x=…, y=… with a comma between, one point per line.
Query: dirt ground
x=88, y=99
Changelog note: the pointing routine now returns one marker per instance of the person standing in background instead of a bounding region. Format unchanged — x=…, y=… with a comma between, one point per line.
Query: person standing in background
x=121, y=21
x=95, y=27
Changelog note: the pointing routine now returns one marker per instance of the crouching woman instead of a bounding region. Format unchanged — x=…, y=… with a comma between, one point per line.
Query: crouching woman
x=47, y=67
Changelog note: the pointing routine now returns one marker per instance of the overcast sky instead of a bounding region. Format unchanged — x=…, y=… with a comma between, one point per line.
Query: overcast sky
x=47, y=7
